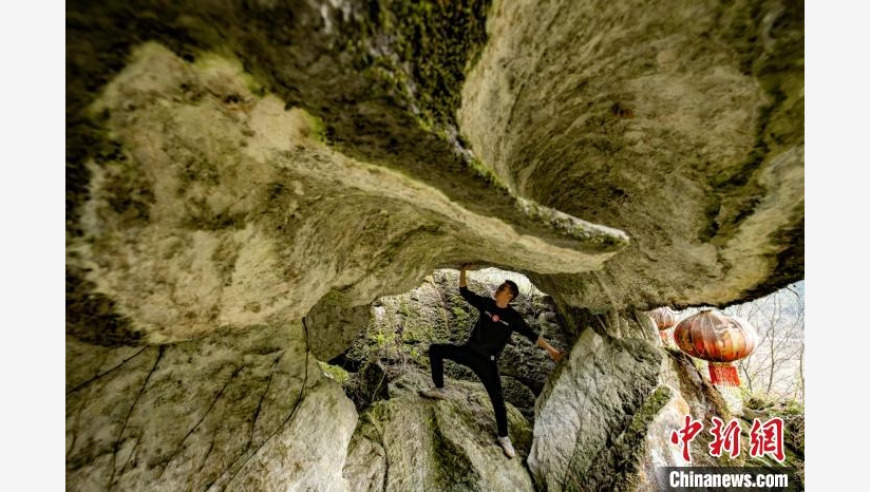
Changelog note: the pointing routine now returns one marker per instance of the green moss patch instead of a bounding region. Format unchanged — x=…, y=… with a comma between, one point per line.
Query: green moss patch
x=616, y=465
x=438, y=41
x=334, y=372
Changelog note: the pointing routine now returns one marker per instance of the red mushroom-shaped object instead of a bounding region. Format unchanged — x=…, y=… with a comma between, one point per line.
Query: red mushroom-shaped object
x=664, y=318
x=718, y=339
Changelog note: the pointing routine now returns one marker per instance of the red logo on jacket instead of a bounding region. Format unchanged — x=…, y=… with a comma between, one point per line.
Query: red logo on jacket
x=495, y=318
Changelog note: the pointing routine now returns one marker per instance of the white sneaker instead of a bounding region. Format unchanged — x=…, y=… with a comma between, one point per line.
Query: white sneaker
x=505, y=443
x=434, y=393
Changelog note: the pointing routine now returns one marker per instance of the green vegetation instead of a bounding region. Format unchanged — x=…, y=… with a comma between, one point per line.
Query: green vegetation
x=379, y=339
x=317, y=129
x=439, y=41
x=214, y=64
x=489, y=176
x=333, y=372
x=404, y=310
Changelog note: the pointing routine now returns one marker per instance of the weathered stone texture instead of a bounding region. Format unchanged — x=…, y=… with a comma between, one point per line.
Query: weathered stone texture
x=235, y=168
x=228, y=412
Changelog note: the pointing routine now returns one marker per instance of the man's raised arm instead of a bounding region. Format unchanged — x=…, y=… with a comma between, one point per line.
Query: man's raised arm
x=470, y=297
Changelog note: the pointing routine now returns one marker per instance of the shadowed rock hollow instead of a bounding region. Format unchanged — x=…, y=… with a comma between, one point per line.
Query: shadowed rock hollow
x=235, y=167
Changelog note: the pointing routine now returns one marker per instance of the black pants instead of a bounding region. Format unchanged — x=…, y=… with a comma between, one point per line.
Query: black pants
x=485, y=368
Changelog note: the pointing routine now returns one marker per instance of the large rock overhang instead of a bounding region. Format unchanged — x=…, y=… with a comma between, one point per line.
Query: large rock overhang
x=231, y=166
x=681, y=124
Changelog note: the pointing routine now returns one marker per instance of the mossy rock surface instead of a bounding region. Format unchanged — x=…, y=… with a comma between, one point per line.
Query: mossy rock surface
x=234, y=168
x=437, y=444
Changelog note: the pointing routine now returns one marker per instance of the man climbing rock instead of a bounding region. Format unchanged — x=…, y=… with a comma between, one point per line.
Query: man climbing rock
x=497, y=321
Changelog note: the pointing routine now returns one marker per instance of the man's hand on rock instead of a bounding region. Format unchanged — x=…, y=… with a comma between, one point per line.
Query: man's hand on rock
x=555, y=354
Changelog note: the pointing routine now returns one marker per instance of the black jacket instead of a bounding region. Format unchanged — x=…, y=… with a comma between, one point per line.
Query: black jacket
x=495, y=325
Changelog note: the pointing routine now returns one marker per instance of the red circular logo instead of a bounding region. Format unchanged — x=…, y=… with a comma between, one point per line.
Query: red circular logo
x=495, y=317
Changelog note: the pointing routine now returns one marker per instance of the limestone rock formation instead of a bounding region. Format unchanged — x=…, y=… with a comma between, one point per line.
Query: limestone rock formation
x=408, y=443
x=220, y=208
x=402, y=327
x=232, y=411
x=679, y=123
x=226, y=149
x=594, y=413
x=244, y=179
